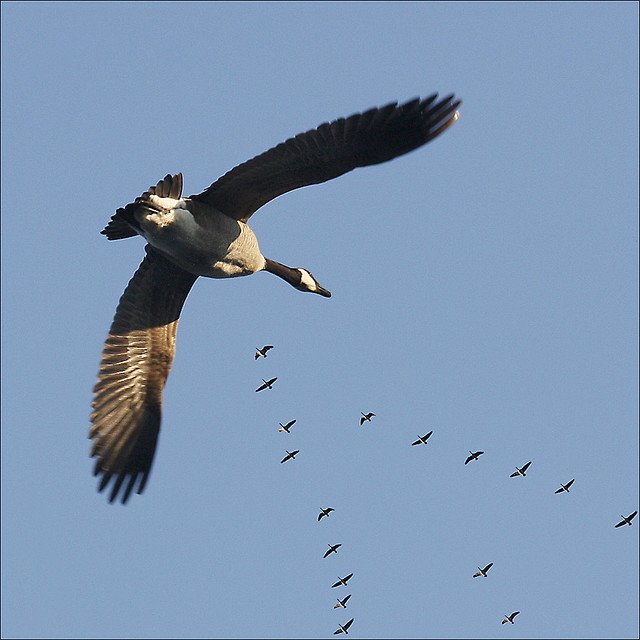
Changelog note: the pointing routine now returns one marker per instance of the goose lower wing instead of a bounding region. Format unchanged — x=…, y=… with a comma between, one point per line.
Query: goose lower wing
x=136, y=360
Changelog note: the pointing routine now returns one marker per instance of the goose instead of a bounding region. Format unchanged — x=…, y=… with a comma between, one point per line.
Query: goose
x=627, y=519
x=510, y=618
x=333, y=548
x=268, y=384
x=342, y=582
x=324, y=512
x=366, y=418
x=520, y=472
x=207, y=235
x=343, y=628
x=422, y=439
x=483, y=572
x=263, y=352
x=565, y=487
x=286, y=427
x=342, y=603
x=291, y=455
x=473, y=456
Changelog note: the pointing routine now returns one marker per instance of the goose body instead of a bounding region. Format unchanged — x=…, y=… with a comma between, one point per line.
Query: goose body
x=342, y=603
x=324, y=512
x=366, y=417
x=422, y=439
x=626, y=519
x=207, y=234
x=343, y=627
x=262, y=353
x=291, y=455
x=333, y=548
x=520, y=471
x=565, y=487
x=268, y=384
x=342, y=582
x=483, y=572
x=474, y=456
x=286, y=428
x=510, y=618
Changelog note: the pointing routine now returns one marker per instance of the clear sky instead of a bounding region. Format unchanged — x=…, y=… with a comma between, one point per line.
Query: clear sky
x=484, y=287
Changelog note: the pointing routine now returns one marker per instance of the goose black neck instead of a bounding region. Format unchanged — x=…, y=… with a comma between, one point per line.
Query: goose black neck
x=292, y=276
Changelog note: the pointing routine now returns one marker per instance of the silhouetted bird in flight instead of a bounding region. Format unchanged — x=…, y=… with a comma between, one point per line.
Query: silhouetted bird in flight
x=565, y=487
x=520, y=472
x=290, y=455
x=422, y=439
x=342, y=603
x=333, y=548
x=286, y=427
x=263, y=352
x=627, y=519
x=366, y=417
x=510, y=618
x=473, y=456
x=325, y=512
x=483, y=572
x=342, y=582
x=268, y=384
x=343, y=628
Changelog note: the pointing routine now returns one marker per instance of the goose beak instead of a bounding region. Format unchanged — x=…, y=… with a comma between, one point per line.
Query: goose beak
x=323, y=292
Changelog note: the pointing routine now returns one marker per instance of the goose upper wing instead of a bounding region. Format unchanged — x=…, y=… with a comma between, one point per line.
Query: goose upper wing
x=136, y=360
x=330, y=150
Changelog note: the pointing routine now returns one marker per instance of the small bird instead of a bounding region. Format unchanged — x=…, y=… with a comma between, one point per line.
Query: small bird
x=627, y=520
x=325, y=512
x=343, y=628
x=520, y=472
x=342, y=581
x=333, y=548
x=565, y=487
x=268, y=384
x=366, y=417
x=483, y=572
x=286, y=427
x=473, y=456
x=511, y=617
x=422, y=439
x=342, y=603
x=290, y=455
x=263, y=352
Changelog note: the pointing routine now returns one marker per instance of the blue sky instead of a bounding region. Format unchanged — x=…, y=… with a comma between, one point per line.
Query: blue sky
x=484, y=287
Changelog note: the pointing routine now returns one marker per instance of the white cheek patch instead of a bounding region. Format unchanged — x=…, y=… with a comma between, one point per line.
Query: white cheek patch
x=307, y=280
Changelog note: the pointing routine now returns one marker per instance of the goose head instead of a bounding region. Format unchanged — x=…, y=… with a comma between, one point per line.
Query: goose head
x=309, y=283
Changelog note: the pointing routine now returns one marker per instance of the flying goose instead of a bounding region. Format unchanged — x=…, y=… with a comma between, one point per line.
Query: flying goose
x=366, y=417
x=268, y=384
x=422, y=439
x=565, y=487
x=342, y=603
x=520, y=472
x=263, y=352
x=343, y=628
x=291, y=455
x=627, y=519
x=510, y=618
x=342, y=581
x=483, y=572
x=207, y=235
x=286, y=427
x=324, y=512
x=473, y=456
x=333, y=548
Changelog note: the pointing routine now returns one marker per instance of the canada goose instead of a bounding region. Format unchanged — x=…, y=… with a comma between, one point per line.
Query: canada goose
x=343, y=628
x=268, y=384
x=483, y=572
x=473, y=456
x=565, y=487
x=422, y=439
x=627, y=519
x=510, y=618
x=333, y=548
x=291, y=455
x=207, y=235
x=286, y=427
x=342, y=581
x=520, y=472
x=342, y=603
x=325, y=512
x=366, y=417
x=263, y=352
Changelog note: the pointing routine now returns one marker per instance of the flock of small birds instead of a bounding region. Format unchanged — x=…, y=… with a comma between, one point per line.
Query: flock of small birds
x=422, y=440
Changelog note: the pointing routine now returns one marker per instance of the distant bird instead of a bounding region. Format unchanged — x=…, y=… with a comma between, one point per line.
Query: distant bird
x=286, y=427
x=422, y=439
x=366, y=418
x=263, y=352
x=290, y=455
x=342, y=603
x=343, y=628
x=483, y=572
x=511, y=617
x=565, y=487
x=520, y=472
x=342, y=582
x=626, y=520
x=333, y=548
x=473, y=456
x=325, y=512
x=268, y=384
